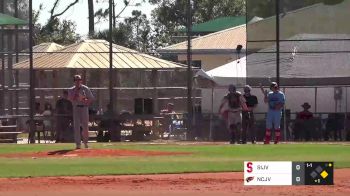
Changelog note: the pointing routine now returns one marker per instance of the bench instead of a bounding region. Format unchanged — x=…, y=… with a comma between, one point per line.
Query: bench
x=8, y=134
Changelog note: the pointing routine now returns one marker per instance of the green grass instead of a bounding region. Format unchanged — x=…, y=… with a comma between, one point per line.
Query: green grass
x=204, y=158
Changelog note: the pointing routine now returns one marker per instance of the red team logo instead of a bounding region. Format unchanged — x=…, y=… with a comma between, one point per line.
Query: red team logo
x=249, y=179
x=250, y=167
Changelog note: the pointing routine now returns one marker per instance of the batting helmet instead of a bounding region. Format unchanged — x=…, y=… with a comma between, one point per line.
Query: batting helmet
x=273, y=85
x=247, y=88
x=77, y=77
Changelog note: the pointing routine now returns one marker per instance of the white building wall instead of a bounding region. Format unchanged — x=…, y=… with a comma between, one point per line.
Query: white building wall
x=295, y=97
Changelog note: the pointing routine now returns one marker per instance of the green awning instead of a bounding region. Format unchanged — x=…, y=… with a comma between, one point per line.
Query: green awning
x=217, y=24
x=10, y=20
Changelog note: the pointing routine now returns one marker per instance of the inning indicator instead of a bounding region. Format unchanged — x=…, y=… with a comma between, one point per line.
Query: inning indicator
x=288, y=173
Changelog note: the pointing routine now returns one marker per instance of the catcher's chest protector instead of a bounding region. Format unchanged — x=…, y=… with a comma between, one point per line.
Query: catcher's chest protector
x=233, y=100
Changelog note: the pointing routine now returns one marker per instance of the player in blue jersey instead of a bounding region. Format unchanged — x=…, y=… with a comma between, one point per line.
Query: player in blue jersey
x=275, y=100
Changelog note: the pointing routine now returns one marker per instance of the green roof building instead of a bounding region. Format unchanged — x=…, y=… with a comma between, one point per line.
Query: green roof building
x=10, y=20
x=217, y=24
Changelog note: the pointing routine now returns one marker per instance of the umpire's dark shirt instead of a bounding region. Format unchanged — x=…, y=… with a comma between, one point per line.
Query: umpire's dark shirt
x=251, y=100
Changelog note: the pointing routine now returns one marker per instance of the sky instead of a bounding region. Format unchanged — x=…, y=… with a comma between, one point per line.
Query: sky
x=79, y=12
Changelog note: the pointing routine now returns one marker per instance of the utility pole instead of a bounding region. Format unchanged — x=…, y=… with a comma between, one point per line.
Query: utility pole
x=189, y=66
x=278, y=42
x=31, y=76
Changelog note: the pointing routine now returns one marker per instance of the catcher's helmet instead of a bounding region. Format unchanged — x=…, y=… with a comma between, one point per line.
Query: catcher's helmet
x=232, y=88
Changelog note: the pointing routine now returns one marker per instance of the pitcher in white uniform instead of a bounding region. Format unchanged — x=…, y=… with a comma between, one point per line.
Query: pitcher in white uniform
x=81, y=97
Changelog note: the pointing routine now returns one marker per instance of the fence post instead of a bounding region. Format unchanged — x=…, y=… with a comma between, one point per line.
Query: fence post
x=346, y=114
x=211, y=115
x=346, y=102
x=315, y=100
x=284, y=119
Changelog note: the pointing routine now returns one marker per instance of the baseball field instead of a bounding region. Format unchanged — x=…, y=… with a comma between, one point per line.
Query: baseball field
x=183, y=168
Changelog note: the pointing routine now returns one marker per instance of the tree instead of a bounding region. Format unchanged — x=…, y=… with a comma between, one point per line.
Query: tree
x=266, y=8
x=91, y=17
x=140, y=30
x=55, y=30
x=103, y=14
x=60, y=32
x=53, y=9
x=121, y=35
x=9, y=7
x=206, y=10
x=133, y=32
x=170, y=15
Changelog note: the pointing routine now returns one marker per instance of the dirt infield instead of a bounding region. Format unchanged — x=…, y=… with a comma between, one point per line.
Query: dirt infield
x=170, y=184
x=91, y=153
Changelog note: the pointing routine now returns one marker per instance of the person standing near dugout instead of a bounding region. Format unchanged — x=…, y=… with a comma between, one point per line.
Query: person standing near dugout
x=248, y=121
x=81, y=97
x=275, y=100
x=231, y=110
x=64, y=111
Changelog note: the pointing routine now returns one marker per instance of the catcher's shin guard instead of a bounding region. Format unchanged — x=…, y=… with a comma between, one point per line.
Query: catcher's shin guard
x=267, y=136
x=232, y=133
x=277, y=135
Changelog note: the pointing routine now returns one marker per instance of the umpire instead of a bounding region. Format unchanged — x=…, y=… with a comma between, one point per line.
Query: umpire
x=248, y=122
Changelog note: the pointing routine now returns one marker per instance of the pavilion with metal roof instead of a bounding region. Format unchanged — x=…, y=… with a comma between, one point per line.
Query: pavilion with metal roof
x=93, y=54
x=138, y=74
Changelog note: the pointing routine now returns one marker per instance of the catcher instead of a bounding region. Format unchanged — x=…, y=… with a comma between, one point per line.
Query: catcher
x=231, y=110
x=275, y=100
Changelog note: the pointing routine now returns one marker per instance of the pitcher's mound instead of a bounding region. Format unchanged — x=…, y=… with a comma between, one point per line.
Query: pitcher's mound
x=92, y=153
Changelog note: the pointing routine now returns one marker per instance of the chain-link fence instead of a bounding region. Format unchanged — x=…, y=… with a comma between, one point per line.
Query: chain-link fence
x=306, y=49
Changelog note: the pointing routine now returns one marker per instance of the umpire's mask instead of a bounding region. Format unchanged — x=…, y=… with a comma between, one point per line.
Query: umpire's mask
x=232, y=88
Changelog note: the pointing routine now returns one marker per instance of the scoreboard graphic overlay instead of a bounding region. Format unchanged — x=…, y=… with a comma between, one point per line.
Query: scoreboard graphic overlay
x=288, y=173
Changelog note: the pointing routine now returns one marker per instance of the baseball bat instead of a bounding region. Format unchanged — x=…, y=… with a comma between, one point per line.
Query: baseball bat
x=262, y=90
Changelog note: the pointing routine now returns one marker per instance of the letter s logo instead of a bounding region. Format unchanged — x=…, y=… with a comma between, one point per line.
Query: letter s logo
x=250, y=167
